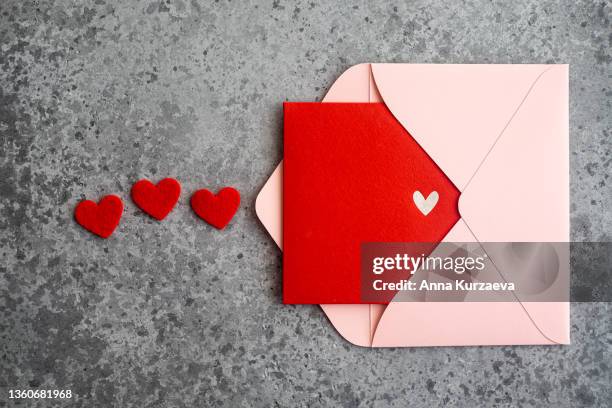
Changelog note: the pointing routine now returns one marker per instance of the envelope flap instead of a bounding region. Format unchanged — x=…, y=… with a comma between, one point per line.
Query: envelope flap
x=520, y=193
x=455, y=112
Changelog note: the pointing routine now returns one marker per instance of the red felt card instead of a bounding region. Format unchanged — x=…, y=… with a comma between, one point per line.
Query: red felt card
x=350, y=173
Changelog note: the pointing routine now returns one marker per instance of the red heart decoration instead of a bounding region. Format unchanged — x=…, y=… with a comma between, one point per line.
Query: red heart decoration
x=217, y=210
x=156, y=200
x=101, y=218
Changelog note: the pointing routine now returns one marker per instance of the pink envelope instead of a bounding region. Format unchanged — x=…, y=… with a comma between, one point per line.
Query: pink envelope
x=500, y=133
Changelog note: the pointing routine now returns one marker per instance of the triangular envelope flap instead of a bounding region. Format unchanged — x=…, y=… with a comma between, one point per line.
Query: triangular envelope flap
x=455, y=112
x=521, y=191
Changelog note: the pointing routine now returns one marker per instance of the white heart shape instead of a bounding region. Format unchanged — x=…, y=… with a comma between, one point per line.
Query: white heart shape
x=425, y=205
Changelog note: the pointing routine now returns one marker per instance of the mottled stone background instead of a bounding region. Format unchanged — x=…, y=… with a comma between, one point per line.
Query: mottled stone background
x=97, y=94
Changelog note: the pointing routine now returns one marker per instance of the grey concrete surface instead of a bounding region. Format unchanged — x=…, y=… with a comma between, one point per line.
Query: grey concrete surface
x=96, y=94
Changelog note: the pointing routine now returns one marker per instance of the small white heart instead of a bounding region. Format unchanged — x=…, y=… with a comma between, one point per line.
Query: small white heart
x=425, y=205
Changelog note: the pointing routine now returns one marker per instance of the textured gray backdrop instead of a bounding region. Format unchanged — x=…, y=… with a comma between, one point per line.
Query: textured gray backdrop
x=97, y=94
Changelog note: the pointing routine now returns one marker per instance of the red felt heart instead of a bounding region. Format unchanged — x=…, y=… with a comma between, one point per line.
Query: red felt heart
x=217, y=210
x=101, y=218
x=156, y=200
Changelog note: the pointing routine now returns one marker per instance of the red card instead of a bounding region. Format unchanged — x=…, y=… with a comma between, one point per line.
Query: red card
x=350, y=173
